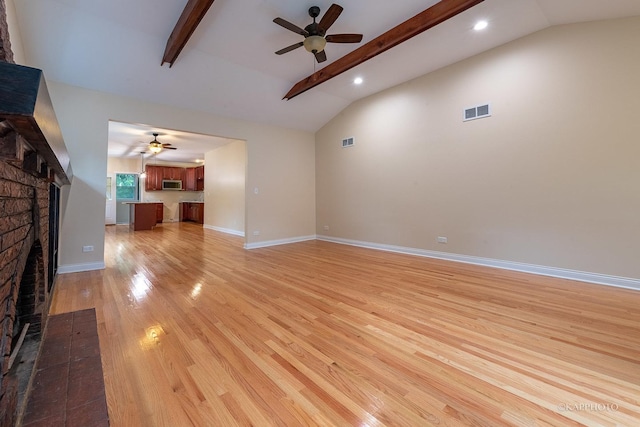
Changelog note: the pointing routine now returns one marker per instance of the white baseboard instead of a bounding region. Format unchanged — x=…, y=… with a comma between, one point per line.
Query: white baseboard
x=224, y=230
x=601, y=279
x=76, y=268
x=267, y=243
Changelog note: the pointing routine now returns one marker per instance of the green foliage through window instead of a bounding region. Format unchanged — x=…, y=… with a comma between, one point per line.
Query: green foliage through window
x=126, y=186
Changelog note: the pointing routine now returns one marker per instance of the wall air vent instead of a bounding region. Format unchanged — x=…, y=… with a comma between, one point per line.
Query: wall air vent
x=347, y=142
x=477, y=112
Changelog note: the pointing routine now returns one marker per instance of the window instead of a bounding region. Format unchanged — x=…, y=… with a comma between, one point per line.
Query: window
x=126, y=186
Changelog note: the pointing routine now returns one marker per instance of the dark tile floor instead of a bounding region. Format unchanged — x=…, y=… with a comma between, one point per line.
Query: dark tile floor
x=68, y=388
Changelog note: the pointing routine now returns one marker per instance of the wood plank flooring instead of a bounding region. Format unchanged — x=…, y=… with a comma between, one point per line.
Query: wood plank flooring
x=197, y=331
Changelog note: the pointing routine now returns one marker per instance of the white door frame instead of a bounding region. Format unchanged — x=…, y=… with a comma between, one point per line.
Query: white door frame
x=110, y=203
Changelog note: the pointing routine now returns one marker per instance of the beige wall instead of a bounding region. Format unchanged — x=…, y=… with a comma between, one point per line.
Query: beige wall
x=84, y=116
x=224, y=184
x=551, y=179
x=286, y=179
x=118, y=165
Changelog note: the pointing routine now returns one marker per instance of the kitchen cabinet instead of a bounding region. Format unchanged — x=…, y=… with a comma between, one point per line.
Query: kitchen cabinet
x=159, y=212
x=199, y=171
x=173, y=173
x=197, y=212
x=190, y=179
x=192, y=211
x=194, y=179
x=153, y=181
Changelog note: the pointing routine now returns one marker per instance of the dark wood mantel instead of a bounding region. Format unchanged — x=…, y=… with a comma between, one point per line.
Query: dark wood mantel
x=26, y=110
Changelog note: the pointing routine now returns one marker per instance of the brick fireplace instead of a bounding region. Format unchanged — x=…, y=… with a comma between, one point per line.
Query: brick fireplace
x=24, y=254
x=34, y=165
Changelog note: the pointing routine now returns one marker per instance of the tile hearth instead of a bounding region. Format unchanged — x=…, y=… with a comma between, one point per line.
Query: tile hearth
x=68, y=388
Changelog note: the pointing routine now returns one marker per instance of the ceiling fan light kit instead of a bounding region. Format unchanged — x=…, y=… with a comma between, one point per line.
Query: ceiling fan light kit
x=156, y=146
x=314, y=44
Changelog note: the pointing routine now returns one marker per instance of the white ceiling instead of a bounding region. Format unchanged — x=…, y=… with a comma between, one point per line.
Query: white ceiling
x=130, y=140
x=229, y=68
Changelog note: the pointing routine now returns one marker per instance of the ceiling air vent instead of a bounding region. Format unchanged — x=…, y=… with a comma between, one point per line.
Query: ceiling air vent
x=476, y=112
x=347, y=142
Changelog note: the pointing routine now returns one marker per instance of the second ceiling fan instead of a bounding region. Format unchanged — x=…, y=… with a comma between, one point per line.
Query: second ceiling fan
x=315, y=37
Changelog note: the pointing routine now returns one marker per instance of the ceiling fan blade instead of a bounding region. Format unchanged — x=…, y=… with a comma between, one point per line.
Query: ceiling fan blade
x=344, y=38
x=169, y=148
x=289, y=48
x=330, y=17
x=291, y=27
x=321, y=56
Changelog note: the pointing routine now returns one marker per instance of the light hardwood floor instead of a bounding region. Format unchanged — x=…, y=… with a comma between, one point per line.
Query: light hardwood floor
x=195, y=330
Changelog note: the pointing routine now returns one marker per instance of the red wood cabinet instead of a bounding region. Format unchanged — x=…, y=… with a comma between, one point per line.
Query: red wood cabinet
x=183, y=210
x=173, y=173
x=159, y=212
x=199, y=213
x=142, y=216
x=153, y=181
x=199, y=172
x=190, y=179
x=194, y=179
x=192, y=212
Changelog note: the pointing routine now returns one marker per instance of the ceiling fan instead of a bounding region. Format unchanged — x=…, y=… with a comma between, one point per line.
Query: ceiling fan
x=315, y=37
x=156, y=146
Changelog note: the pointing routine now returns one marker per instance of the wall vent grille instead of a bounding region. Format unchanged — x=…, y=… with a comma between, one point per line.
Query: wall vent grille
x=347, y=142
x=477, y=112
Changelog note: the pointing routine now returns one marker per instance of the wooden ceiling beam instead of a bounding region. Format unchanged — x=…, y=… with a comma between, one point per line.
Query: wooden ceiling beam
x=191, y=16
x=436, y=14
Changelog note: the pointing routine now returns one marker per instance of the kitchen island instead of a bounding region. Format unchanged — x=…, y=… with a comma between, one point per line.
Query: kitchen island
x=143, y=215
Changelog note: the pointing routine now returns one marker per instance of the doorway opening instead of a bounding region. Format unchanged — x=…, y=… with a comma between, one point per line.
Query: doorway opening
x=127, y=190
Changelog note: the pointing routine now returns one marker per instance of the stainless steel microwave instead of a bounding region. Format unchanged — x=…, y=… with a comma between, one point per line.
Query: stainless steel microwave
x=171, y=184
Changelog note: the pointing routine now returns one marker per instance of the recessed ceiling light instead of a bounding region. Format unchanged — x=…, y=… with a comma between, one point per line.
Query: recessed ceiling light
x=480, y=25
x=358, y=80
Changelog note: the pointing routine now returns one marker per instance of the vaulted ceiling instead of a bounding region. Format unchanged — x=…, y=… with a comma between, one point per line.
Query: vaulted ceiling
x=229, y=68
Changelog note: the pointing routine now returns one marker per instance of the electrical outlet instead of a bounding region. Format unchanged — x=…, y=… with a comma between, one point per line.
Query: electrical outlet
x=442, y=240
x=326, y=228
x=87, y=249
x=256, y=233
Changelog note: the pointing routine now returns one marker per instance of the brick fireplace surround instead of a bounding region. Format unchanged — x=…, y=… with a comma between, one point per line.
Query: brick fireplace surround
x=34, y=164
x=24, y=297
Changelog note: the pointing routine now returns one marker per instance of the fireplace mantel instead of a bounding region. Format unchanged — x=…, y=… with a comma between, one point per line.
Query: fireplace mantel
x=26, y=105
